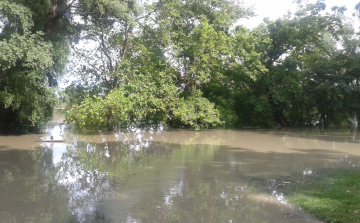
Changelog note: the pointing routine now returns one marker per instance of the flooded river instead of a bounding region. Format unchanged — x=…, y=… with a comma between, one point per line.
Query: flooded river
x=164, y=176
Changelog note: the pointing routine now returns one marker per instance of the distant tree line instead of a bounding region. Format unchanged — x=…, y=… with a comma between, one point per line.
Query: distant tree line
x=181, y=63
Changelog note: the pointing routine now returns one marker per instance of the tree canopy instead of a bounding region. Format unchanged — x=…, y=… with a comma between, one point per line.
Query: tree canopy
x=34, y=44
x=179, y=63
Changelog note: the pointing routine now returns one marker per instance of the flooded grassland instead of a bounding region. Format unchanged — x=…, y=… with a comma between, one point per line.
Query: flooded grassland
x=164, y=176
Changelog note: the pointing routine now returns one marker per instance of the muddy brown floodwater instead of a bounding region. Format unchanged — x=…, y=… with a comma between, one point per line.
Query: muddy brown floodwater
x=153, y=175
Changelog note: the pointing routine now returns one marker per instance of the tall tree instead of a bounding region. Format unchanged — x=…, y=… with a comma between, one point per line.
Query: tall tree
x=291, y=39
x=131, y=44
x=54, y=18
x=25, y=99
x=107, y=30
x=34, y=41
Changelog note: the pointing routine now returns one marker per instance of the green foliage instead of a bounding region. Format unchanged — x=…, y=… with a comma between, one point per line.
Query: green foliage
x=25, y=99
x=53, y=18
x=285, y=72
x=253, y=110
x=29, y=50
x=18, y=18
x=86, y=117
x=303, y=82
x=34, y=48
x=141, y=72
x=145, y=99
x=108, y=27
x=178, y=62
x=204, y=51
x=196, y=111
x=137, y=100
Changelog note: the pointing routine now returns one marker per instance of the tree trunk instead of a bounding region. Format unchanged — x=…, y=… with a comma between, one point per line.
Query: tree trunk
x=278, y=114
x=55, y=15
x=52, y=17
x=308, y=116
x=301, y=114
x=324, y=120
x=110, y=121
x=282, y=120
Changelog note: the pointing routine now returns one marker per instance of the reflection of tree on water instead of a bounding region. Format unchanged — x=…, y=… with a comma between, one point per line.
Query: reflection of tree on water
x=29, y=189
x=33, y=188
x=91, y=171
x=157, y=181
x=114, y=160
x=199, y=194
x=203, y=202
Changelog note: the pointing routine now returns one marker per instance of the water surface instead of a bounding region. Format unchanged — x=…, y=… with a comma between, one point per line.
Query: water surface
x=164, y=176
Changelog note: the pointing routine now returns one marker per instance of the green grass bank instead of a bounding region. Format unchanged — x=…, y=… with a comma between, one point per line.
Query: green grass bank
x=329, y=195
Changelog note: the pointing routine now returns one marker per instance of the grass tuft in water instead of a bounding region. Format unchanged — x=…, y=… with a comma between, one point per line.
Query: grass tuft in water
x=333, y=196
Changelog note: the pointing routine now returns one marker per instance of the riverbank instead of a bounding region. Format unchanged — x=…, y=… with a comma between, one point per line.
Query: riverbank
x=329, y=195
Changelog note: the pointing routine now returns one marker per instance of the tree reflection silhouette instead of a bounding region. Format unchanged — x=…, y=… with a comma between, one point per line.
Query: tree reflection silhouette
x=29, y=189
x=35, y=189
x=199, y=193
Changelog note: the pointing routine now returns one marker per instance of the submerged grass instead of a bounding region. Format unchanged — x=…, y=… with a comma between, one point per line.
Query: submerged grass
x=331, y=196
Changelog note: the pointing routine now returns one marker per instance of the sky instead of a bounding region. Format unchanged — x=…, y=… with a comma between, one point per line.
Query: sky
x=277, y=8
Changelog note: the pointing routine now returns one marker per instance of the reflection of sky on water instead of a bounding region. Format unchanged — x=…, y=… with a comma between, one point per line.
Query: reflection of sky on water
x=56, y=130
x=174, y=191
x=85, y=188
x=279, y=197
x=136, y=139
x=187, y=170
x=58, y=150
